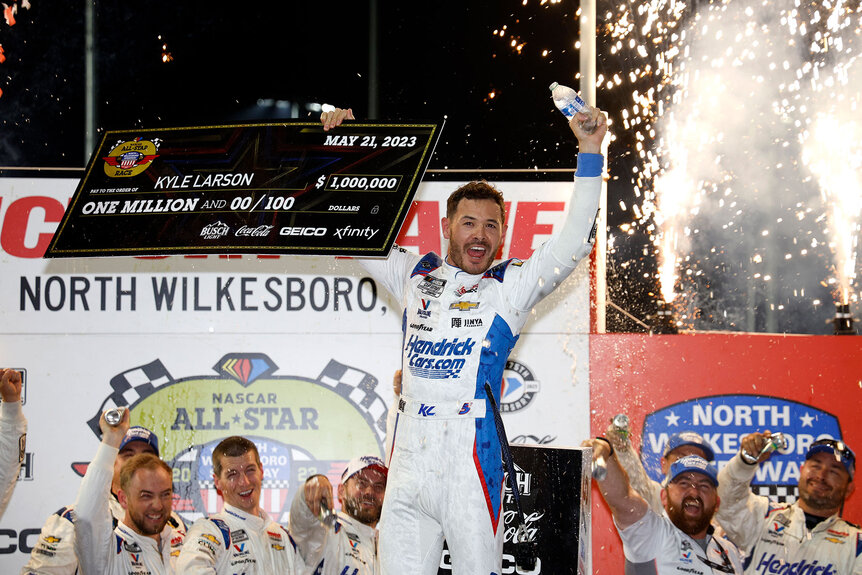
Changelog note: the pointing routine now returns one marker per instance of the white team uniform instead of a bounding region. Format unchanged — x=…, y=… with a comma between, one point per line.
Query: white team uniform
x=54, y=553
x=13, y=433
x=344, y=547
x=445, y=474
x=774, y=537
x=103, y=549
x=234, y=541
x=654, y=545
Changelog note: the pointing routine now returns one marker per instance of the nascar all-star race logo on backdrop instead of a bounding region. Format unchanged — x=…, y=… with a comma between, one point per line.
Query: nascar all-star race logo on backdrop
x=301, y=426
x=723, y=420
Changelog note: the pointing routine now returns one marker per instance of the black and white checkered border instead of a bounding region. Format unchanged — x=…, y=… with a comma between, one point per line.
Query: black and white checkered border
x=358, y=387
x=778, y=493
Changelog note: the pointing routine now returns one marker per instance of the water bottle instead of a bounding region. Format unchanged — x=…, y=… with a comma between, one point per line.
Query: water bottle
x=569, y=103
x=773, y=442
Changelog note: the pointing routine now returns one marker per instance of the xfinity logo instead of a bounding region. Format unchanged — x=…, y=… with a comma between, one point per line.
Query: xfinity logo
x=288, y=231
x=350, y=231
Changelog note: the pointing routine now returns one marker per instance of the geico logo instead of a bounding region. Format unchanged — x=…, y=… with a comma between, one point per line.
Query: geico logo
x=12, y=541
x=509, y=564
x=287, y=231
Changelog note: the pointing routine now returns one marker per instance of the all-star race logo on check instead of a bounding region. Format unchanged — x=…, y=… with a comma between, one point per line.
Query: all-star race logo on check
x=128, y=159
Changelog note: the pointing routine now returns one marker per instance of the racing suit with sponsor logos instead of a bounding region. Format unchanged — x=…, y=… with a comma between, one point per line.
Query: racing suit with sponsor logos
x=775, y=539
x=234, y=541
x=54, y=553
x=342, y=546
x=107, y=550
x=13, y=433
x=654, y=545
x=445, y=475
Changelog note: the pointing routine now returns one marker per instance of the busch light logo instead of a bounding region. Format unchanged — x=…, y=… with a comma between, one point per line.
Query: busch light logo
x=437, y=360
x=723, y=420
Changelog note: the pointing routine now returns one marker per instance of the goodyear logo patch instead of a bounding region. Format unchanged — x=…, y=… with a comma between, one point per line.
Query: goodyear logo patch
x=296, y=422
x=130, y=158
x=723, y=420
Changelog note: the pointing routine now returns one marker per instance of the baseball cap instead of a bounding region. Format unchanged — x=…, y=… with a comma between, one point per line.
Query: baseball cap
x=837, y=448
x=138, y=433
x=359, y=463
x=688, y=438
x=692, y=463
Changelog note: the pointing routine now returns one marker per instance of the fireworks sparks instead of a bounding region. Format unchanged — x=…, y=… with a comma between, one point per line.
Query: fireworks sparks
x=744, y=118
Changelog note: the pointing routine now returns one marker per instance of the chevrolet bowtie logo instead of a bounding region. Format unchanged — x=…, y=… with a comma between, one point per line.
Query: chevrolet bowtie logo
x=52, y=539
x=464, y=305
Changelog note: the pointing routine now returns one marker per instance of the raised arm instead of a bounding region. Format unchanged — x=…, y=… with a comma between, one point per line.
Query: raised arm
x=93, y=523
x=13, y=432
x=626, y=505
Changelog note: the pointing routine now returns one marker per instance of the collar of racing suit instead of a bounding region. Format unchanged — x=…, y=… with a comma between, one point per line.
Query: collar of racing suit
x=255, y=522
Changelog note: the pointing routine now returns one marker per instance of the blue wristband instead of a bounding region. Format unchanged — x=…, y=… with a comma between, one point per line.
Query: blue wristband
x=590, y=165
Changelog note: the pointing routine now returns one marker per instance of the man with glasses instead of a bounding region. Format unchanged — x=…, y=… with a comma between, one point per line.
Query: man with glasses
x=807, y=537
x=681, y=540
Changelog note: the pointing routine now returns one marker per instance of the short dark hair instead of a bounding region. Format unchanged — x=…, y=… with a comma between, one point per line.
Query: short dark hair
x=233, y=446
x=478, y=190
x=141, y=461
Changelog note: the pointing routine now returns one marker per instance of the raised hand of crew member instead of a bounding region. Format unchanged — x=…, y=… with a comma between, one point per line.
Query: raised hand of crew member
x=335, y=117
x=754, y=443
x=10, y=385
x=318, y=489
x=601, y=448
x=590, y=143
x=113, y=435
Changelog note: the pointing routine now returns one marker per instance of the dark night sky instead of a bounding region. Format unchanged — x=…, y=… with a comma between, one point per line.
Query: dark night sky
x=435, y=59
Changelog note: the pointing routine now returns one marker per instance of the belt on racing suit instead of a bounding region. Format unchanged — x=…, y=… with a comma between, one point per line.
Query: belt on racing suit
x=441, y=409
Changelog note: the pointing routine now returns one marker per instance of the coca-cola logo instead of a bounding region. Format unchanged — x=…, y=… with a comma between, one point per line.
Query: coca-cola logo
x=258, y=232
x=532, y=523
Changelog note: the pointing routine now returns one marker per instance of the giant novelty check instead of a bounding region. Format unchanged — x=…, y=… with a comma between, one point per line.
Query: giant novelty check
x=285, y=188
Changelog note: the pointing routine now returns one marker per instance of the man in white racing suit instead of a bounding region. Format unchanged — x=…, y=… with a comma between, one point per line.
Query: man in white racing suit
x=143, y=542
x=54, y=553
x=13, y=434
x=344, y=543
x=680, y=539
x=241, y=538
x=805, y=538
x=461, y=319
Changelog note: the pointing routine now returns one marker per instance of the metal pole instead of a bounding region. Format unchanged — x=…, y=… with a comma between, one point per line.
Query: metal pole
x=588, y=92
x=89, y=78
x=372, y=60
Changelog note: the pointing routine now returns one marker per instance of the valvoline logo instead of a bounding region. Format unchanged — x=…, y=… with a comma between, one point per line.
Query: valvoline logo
x=723, y=420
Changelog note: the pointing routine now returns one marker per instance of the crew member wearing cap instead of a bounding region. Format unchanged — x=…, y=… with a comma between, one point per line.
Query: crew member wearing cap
x=143, y=541
x=807, y=537
x=346, y=542
x=54, y=553
x=681, y=538
x=678, y=445
x=241, y=538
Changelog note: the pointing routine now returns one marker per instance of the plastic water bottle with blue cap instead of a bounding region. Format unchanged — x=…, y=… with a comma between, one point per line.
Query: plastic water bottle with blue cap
x=570, y=103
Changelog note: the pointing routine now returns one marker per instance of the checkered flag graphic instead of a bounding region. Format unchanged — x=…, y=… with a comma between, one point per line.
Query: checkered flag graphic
x=130, y=387
x=357, y=386
x=785, y=494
